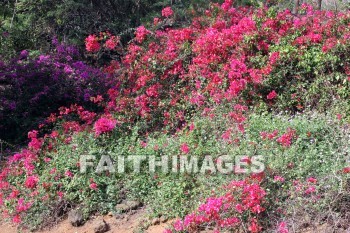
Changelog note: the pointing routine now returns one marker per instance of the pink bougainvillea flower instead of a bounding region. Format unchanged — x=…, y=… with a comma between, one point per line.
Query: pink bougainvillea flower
x=22, y=206
x=92, y=44
x=184, y=148
x=278, y=178
x=112, y=42
x=16, y=219
x=254, y=227
x=156, y=21
x=54, y=134
x=31, y=182
x=104, y=125
x=68, y=174
x=141, y=34
x=60, y=194
x=33, y=134
x=310, y=189
x=93, y=185
x=191, y=127
x=227, y=5
x=35, y=144
x=178, y=225
x=282, y=227
x=274, y=57
x=167, y=12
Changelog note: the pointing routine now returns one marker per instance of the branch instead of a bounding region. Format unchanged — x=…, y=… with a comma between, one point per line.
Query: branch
x=13, y=15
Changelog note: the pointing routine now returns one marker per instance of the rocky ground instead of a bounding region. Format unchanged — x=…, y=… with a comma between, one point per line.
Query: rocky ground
x=131, y=218
x=128, y=224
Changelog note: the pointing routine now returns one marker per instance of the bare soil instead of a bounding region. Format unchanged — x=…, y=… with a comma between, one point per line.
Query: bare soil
x=129, y=224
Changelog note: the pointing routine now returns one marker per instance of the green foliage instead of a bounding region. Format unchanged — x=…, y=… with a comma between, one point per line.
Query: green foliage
x=313, y=79
x=320, y=148
x=32, y=23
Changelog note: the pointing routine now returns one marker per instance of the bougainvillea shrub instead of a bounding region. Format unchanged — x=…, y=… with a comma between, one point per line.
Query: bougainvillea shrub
x=242, y=198
x=193, y=91
x=263, y=57
x=35, y=86
x=47, y=173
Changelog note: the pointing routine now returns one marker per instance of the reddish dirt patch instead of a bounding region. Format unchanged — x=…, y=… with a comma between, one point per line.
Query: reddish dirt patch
x=7, y=228
x=125, y=225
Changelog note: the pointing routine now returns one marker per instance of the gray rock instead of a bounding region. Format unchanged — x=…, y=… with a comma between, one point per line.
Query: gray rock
x=122, y=208
x=75, y=217
x=126, y=206
x=133, y=204
x=101, y=227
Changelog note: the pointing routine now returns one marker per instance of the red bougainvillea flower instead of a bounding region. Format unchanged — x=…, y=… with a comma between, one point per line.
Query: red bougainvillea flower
x=54, y=134
x=339, y=116
x=167, y=12
x=254, y=227
x=16, y=219
x=346, y=170
x=104, y=124
x=112, y=42
x=272, y=95
x=286, y=139
x=91, y=44
x=312, y=180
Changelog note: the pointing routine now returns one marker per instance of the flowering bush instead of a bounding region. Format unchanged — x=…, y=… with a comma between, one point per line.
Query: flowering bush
x=260, y=57
x=34, y=87
x=189, y=91
x=242, y=198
